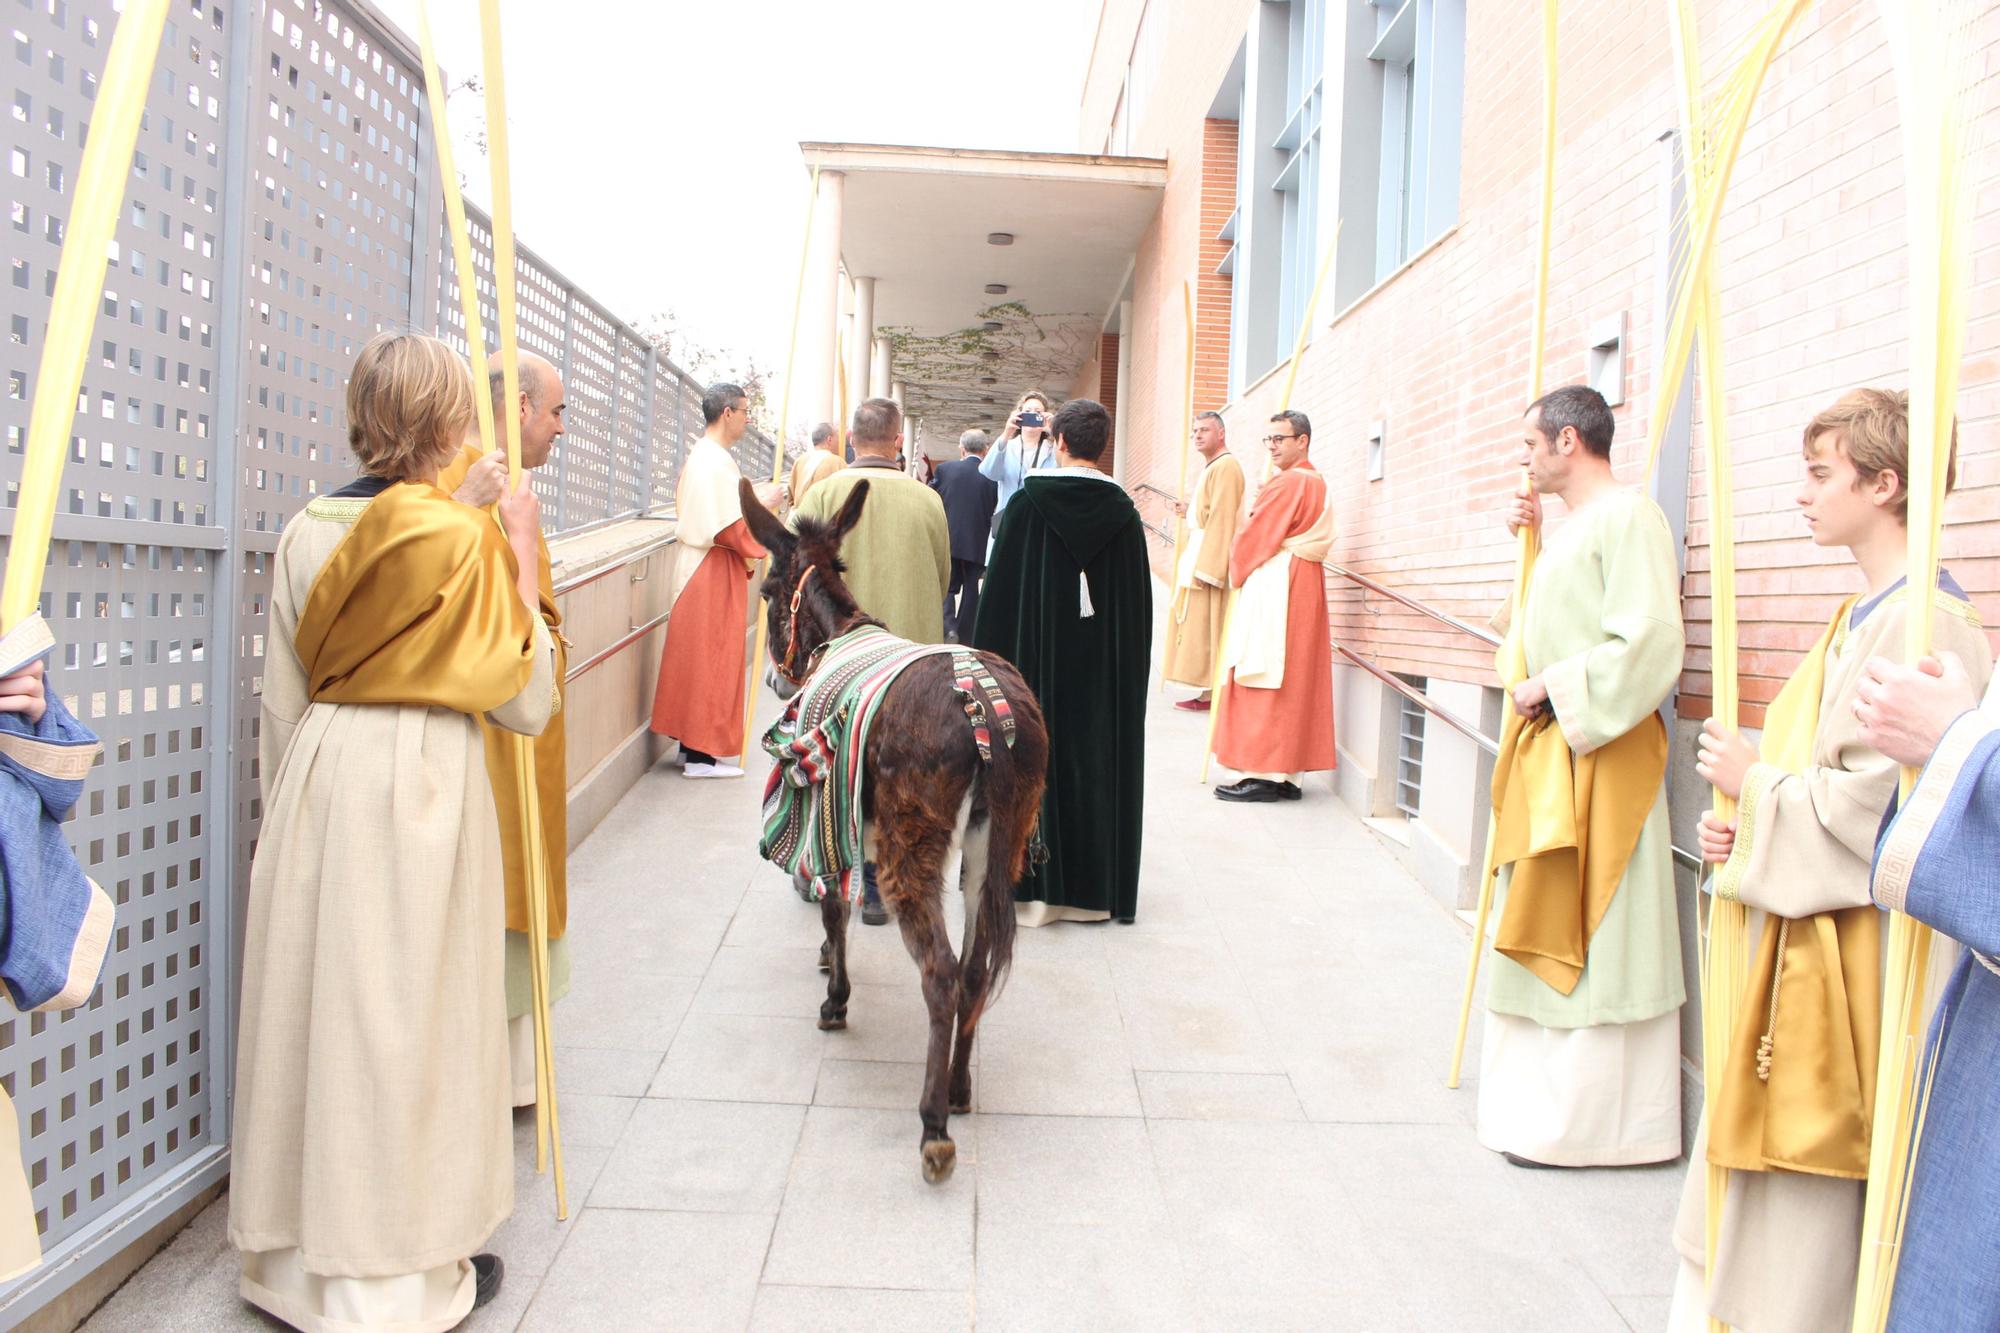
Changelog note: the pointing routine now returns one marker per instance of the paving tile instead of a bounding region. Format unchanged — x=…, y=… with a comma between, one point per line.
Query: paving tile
x=1266, y=1235
x=1036, y=1275
x=846, y=1309
x=652, y=1270
x=626, y=1011
x=1055, y=1069
x=857, y=1212
x=1176, y=1096
x=882, y=1085
x=529, y=1241
x=605, y=1071
x=189, y=1287
x=775, y=982
x=725, y=1157
x=1644, y=1314
x=1080, y=1171
x=1490, y=1278
x=742, y=1058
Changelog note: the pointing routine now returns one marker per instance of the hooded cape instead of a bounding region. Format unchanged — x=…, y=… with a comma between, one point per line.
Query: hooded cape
x=1069, y=601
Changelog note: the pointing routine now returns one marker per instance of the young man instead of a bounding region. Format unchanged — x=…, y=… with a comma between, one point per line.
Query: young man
x=1212, y=517
x=1939, y=861
x=816, y=464
x=969, y=500
x=1069, y=601
x=898, y=555
x=478, y=480
x=699, y=700
x=1790, y=1108
x=1277, y=704
x=1581, y=1063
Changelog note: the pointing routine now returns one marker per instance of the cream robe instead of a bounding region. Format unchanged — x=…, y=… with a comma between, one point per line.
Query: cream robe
x=1200, y=580
x=373, y=1144
x=705, y=502
x=1592, y=1078
x=1790, y=1242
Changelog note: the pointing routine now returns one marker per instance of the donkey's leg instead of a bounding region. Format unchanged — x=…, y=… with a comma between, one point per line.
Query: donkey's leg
x=909, y=871
x=833, y=913
x=971, y=963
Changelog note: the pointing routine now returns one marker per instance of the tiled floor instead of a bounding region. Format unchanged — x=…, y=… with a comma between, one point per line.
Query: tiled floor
x=1231, y=1115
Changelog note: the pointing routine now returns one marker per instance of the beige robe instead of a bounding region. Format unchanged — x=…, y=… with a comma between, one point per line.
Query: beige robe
x=373, y=1144
x=812, y=467
x=1195, y=636
x=1790, y=1242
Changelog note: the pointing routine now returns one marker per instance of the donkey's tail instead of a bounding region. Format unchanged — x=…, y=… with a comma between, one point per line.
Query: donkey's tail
x=1014, y=781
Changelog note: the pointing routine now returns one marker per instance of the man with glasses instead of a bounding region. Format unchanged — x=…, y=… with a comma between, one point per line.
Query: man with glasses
x=1277, y=702
x=699, y=701
x=1212, y=516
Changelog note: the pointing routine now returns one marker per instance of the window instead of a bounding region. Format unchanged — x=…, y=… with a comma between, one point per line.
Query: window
x=1403, y=191
x=1298, y=179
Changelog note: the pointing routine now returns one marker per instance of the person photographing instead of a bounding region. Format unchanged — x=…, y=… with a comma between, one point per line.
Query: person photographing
x=1024, y=446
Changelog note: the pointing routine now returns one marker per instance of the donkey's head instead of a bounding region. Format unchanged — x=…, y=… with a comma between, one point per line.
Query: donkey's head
x=806, y=600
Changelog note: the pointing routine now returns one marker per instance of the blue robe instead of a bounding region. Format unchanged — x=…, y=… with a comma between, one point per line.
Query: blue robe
x=1939, y=861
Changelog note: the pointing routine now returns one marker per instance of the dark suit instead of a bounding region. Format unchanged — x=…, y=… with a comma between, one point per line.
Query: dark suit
x=968, y=511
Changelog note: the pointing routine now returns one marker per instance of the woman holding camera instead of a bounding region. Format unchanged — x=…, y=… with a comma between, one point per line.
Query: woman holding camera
x=1022, y=448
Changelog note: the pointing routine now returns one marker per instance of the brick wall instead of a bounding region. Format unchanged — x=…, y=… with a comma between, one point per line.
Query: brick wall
x=1212, y=289
x=1813, y=261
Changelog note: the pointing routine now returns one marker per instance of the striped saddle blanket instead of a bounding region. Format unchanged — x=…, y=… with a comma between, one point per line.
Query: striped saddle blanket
x=813, y=796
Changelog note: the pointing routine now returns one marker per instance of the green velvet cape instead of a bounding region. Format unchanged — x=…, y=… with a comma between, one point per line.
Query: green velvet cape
x=1090, y=673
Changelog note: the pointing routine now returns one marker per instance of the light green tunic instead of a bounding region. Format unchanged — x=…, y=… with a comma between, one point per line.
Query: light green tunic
x=1603, y=631
x=898, y=556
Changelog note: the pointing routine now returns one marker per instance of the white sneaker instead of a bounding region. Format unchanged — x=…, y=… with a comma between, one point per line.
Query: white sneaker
x=711, y=771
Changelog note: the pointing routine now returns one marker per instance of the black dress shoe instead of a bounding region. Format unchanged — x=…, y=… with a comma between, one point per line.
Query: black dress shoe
x=487, y=1272
x=1290, y=791
x=1515, y=1159
x=1251, y=789
x=874, y=914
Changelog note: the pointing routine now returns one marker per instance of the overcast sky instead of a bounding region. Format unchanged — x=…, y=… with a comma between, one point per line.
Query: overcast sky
x=655, y=146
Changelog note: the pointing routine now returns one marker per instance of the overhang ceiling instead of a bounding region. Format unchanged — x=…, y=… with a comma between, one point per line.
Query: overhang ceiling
x=917, y=221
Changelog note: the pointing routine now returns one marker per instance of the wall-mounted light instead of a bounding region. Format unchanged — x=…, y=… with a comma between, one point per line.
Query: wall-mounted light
x=999, y=238
x=1377, y=450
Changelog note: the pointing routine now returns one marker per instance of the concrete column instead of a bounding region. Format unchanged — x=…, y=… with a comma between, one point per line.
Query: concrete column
x=880, y=371
x=861, y=341
x=819, y=309
x=1120, y=436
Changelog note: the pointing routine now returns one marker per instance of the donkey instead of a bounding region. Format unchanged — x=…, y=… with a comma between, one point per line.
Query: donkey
x=925, y=787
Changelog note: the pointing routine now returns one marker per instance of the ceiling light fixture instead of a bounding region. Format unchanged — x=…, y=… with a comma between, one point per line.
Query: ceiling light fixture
x=996, y=289
x=999, y=238
x=991, y=326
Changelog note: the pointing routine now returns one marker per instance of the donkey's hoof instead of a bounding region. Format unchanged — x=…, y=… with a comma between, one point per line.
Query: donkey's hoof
x=940, y=1156
x=961, y=1107
x=833, y=1022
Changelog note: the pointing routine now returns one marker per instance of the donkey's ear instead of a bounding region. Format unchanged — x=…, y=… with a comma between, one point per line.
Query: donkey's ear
x=764, y=525
x=850, y=513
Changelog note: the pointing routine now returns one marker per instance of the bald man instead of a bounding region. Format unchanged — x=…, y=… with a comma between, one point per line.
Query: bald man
x=477, y=479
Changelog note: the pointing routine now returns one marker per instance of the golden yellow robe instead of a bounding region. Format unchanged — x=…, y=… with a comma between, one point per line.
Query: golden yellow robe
x=373, y=1145
x=1194, y=637
x=812, y=467
x=1790, y=1240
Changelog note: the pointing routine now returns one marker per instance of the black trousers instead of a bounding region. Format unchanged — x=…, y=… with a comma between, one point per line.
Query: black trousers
x=964, y=592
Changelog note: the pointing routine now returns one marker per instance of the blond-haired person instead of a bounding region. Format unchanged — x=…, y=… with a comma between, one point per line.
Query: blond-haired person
x=1789, y=1106
x=373, y=1147
x=1025, y=446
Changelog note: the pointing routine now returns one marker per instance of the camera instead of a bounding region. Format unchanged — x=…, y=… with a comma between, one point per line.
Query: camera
x=1029, y=420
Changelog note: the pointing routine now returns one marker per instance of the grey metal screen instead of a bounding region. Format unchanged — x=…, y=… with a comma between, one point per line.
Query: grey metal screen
x=282, y=208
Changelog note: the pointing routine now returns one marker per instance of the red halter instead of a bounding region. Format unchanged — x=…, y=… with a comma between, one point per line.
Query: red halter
x=788, y=668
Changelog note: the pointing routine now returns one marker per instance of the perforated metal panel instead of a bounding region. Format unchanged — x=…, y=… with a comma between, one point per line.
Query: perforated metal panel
x=282, y=208
x=116, y=1095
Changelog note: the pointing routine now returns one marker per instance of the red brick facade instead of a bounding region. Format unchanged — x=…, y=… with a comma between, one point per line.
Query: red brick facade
x=1813, y=261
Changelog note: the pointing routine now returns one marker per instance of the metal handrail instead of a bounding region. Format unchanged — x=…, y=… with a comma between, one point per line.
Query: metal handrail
x=599, y=658
x=1149, y=486
x=1422, y=700
x=1483, y=635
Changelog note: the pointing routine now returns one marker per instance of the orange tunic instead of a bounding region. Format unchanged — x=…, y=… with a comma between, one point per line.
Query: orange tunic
x=699, y=701
x=1289, y=729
